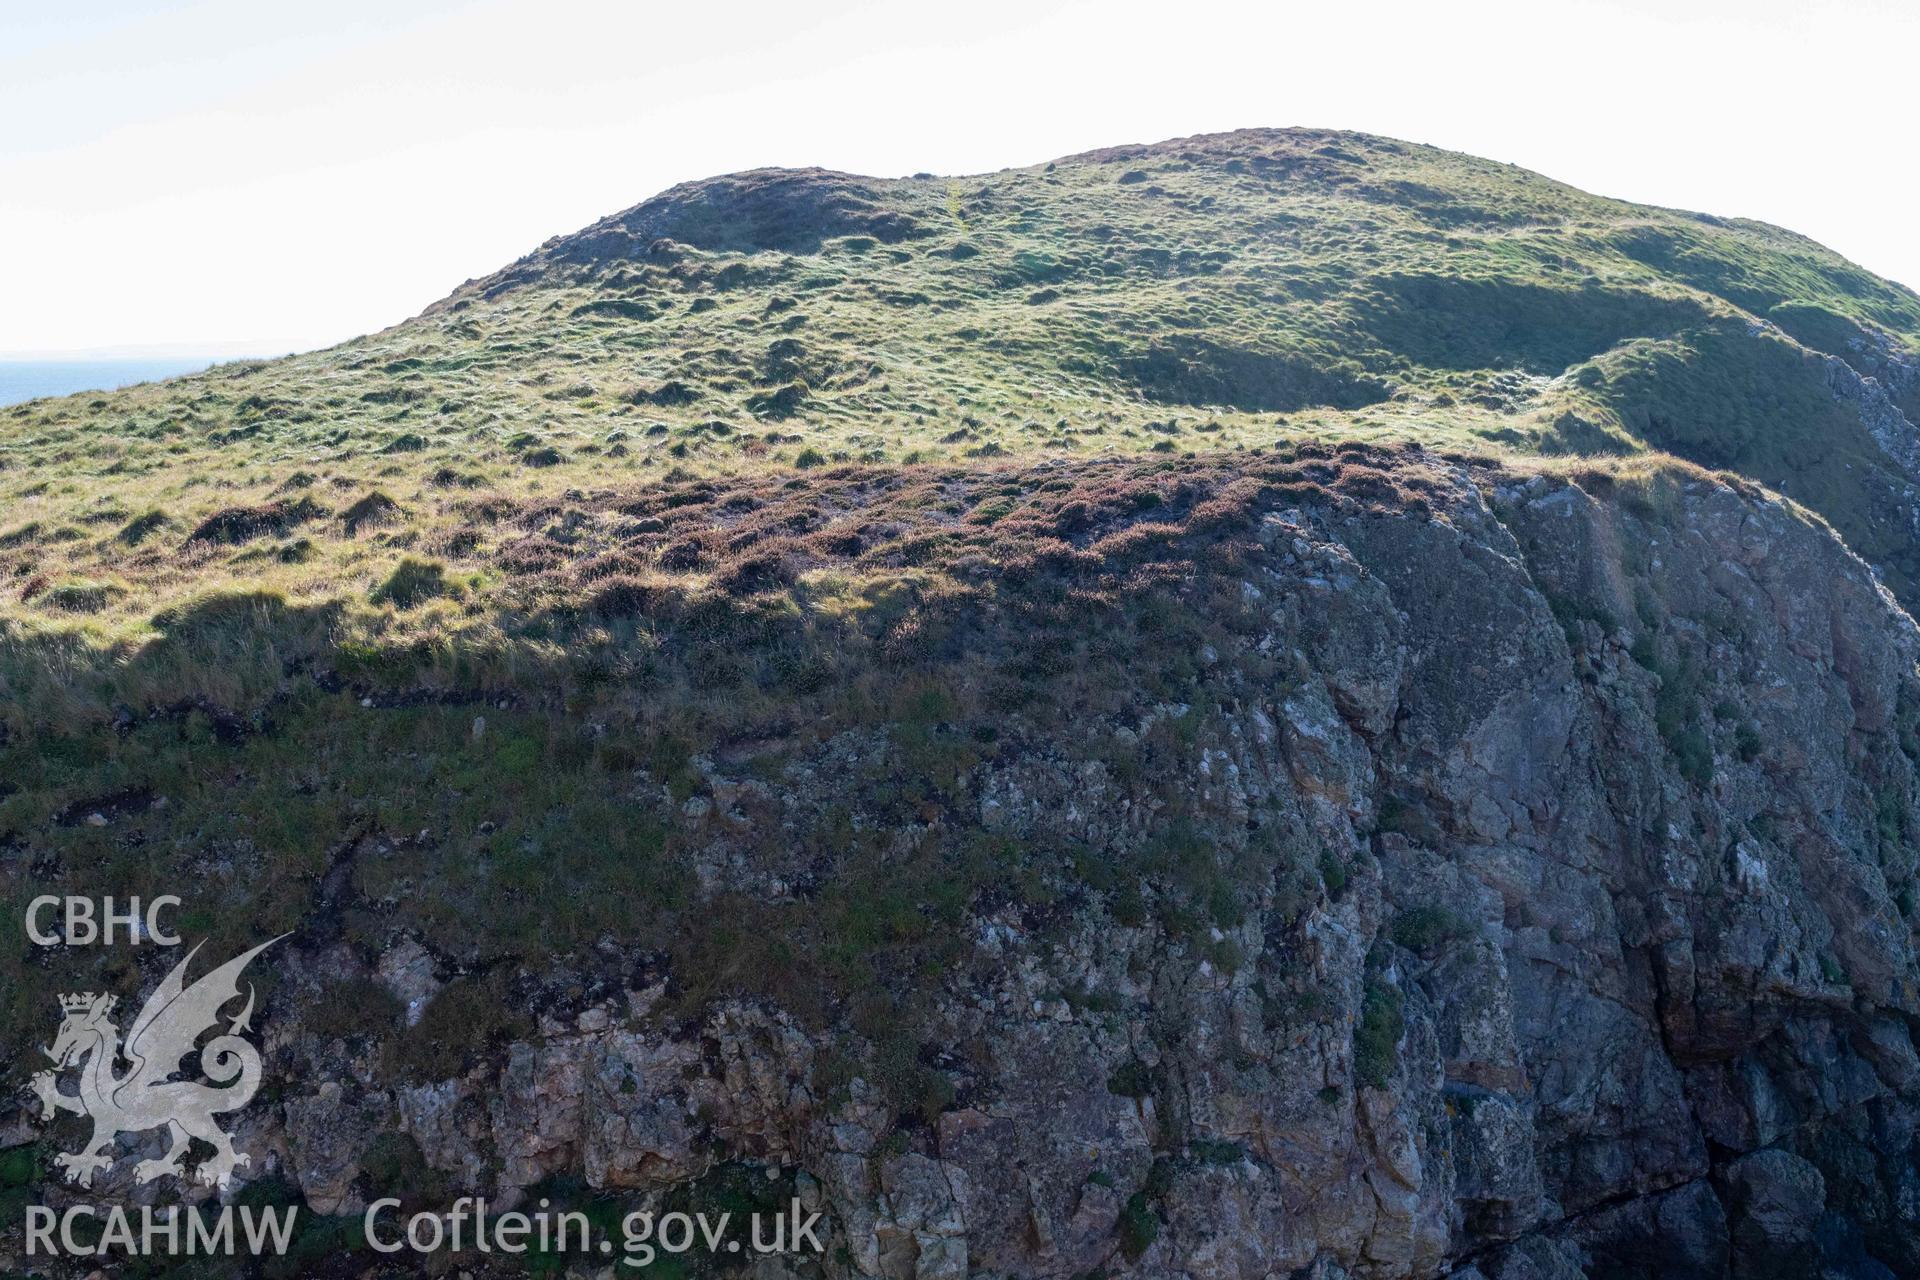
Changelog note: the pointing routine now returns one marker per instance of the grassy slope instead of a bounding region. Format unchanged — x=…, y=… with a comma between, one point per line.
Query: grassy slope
x=1200, y=295
x=767, y=459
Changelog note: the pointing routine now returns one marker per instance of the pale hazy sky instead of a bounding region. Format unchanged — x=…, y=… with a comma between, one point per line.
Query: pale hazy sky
x=230, y=176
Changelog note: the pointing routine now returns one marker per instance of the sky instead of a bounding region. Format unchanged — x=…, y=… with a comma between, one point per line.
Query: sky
x=226, y=177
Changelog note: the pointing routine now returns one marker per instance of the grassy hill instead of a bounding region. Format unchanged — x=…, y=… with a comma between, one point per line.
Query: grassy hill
x=1199, y=296
x=786, y=454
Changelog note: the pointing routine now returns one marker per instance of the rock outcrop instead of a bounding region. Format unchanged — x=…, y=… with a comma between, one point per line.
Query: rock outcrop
x=1577, y=822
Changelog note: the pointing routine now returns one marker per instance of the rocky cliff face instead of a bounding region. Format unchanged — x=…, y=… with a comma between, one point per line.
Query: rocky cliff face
x=1572, y=822
x=1171, y=713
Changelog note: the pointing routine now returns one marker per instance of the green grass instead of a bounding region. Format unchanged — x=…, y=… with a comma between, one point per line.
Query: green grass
x=1376, y=1040
x=1425, y=927
x=1356, y=287
x=413, y=582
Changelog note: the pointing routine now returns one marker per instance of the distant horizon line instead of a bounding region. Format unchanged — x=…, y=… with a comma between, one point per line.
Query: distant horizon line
x=211, y=351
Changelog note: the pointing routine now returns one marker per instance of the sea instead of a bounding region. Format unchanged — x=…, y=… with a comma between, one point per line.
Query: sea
x=26, y=379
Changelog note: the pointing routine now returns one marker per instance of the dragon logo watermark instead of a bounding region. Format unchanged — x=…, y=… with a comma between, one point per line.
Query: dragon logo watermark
x=150, y=1092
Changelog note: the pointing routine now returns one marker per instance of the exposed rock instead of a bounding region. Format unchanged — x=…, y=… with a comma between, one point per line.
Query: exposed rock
x=1578, y=949
x=1775, y=1199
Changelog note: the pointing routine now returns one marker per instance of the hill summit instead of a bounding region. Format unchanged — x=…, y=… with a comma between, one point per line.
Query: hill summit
x=1206, y=293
